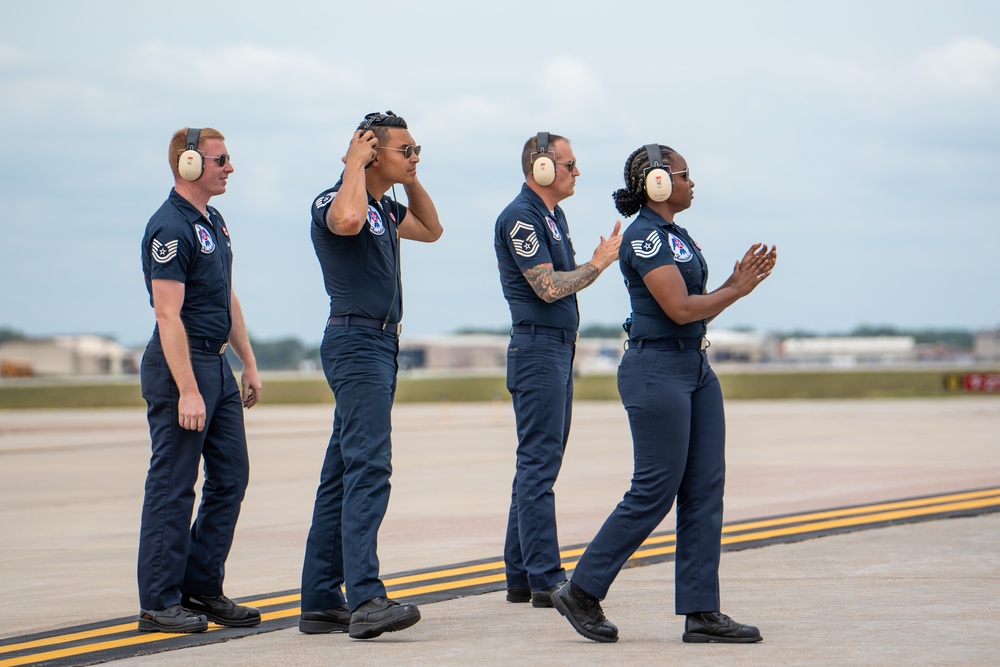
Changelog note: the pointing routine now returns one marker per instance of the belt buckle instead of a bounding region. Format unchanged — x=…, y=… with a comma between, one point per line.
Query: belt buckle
x=222, y=350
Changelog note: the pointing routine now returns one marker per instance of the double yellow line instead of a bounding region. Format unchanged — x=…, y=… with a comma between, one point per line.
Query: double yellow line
x=451, y=582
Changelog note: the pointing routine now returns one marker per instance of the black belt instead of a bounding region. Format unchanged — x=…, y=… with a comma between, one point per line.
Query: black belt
x=533, y=329
x=671, y=343
x=358, y=321
x=212, y=346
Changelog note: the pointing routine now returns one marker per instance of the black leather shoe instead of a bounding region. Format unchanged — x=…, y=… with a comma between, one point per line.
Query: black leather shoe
x=711, y=626
x=519, y=594
x=584, y=613
x=174, y=618
x=380, y=615
x=220, y=609
x=337, y=619
x=543, y=598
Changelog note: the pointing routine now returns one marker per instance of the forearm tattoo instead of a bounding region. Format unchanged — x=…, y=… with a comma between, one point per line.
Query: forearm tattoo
x=552, y=285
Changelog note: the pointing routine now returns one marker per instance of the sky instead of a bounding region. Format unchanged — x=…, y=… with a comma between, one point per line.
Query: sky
x=863, y=138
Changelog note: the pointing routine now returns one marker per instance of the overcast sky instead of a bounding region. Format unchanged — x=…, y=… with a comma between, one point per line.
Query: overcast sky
x=863, y=138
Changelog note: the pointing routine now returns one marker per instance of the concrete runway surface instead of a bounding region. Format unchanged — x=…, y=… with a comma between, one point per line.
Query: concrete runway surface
x=929, y=593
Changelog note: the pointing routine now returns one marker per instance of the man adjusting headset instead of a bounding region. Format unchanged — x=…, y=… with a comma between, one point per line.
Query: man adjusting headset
x=540, y=279
x=355, y=231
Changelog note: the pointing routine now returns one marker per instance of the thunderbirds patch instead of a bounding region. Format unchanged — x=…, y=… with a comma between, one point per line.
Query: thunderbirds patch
x=375, y=222
x=681, y=252
x=205, y=239
x=554, y=228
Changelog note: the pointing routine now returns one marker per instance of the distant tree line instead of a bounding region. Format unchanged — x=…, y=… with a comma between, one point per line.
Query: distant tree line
x=7, y=334
x=293, y=354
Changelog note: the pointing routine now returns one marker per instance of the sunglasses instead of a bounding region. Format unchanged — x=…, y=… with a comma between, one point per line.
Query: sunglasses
x=571, y=165
x=408, y=150
x=221, y=160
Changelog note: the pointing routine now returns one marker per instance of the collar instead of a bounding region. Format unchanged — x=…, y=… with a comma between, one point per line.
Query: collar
x=655, y=218
x=191, y=214
x=537, y=202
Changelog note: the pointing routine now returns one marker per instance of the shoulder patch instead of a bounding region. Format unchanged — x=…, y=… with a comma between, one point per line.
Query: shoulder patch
x=163, y=252
x=647, y=247
x=681, y=252
x=375, y=221
x=524, y=239
x=205, y=239
x=324, y=199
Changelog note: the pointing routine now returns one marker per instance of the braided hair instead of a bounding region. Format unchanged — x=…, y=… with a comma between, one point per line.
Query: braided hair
x=629, y=200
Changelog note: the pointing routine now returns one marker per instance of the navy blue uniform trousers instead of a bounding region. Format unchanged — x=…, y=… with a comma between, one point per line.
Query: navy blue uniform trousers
x=674, y=405
x=175, y=556
x=353, y=495
x=540, y=380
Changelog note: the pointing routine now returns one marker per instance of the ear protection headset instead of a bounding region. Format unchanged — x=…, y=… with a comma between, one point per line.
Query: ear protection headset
x=190, y=163
x=375, y=118
x=657, y=179
x=543, y=168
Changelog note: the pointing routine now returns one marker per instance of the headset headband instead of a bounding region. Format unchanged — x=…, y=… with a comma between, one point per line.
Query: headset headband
x=655, y=156
x=193, y=137
x=375, y=118
x=542, y=142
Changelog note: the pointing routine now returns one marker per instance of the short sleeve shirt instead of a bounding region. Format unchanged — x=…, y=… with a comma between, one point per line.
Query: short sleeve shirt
x=528, y=234
x=361, y=272
x=649, y=243
x=182, y=244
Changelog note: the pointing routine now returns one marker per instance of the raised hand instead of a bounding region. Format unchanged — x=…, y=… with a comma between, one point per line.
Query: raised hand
x=606, y=252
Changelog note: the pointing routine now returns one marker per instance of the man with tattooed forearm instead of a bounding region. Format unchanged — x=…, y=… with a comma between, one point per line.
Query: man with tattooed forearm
x=540, y=279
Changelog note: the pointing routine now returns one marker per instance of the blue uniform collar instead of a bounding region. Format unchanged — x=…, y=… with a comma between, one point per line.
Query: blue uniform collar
x=185, y=207
x=656, y=218
x=537, y=202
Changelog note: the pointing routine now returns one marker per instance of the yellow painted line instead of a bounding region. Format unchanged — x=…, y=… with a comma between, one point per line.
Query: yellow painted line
x=826, y=525
x=440, y=574
x=818, y=521
x=447, y=586
x=859, y=520
x=852, y=511
x=65, y=639
x=80, y=650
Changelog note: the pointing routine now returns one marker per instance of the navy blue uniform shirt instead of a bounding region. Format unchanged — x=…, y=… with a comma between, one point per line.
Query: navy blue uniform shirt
x=648, y=243
x=528, y=234
x=361, y=272
x=181, y=244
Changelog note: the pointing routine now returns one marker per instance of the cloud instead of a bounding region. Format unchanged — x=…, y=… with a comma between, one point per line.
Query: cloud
x=966, y=64
x=11, y=57
x=243, y=69
x=71, y=103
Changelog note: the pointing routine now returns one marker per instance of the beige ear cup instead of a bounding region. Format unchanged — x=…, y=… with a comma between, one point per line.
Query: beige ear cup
x=190, y=165
x=544, y=170
x=658, y=185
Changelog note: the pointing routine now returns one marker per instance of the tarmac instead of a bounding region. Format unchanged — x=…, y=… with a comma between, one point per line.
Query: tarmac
x=924, y=593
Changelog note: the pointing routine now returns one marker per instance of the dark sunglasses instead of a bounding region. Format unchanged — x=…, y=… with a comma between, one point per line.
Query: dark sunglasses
x=221, y=160
x=408, y=150
x=571, y=165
